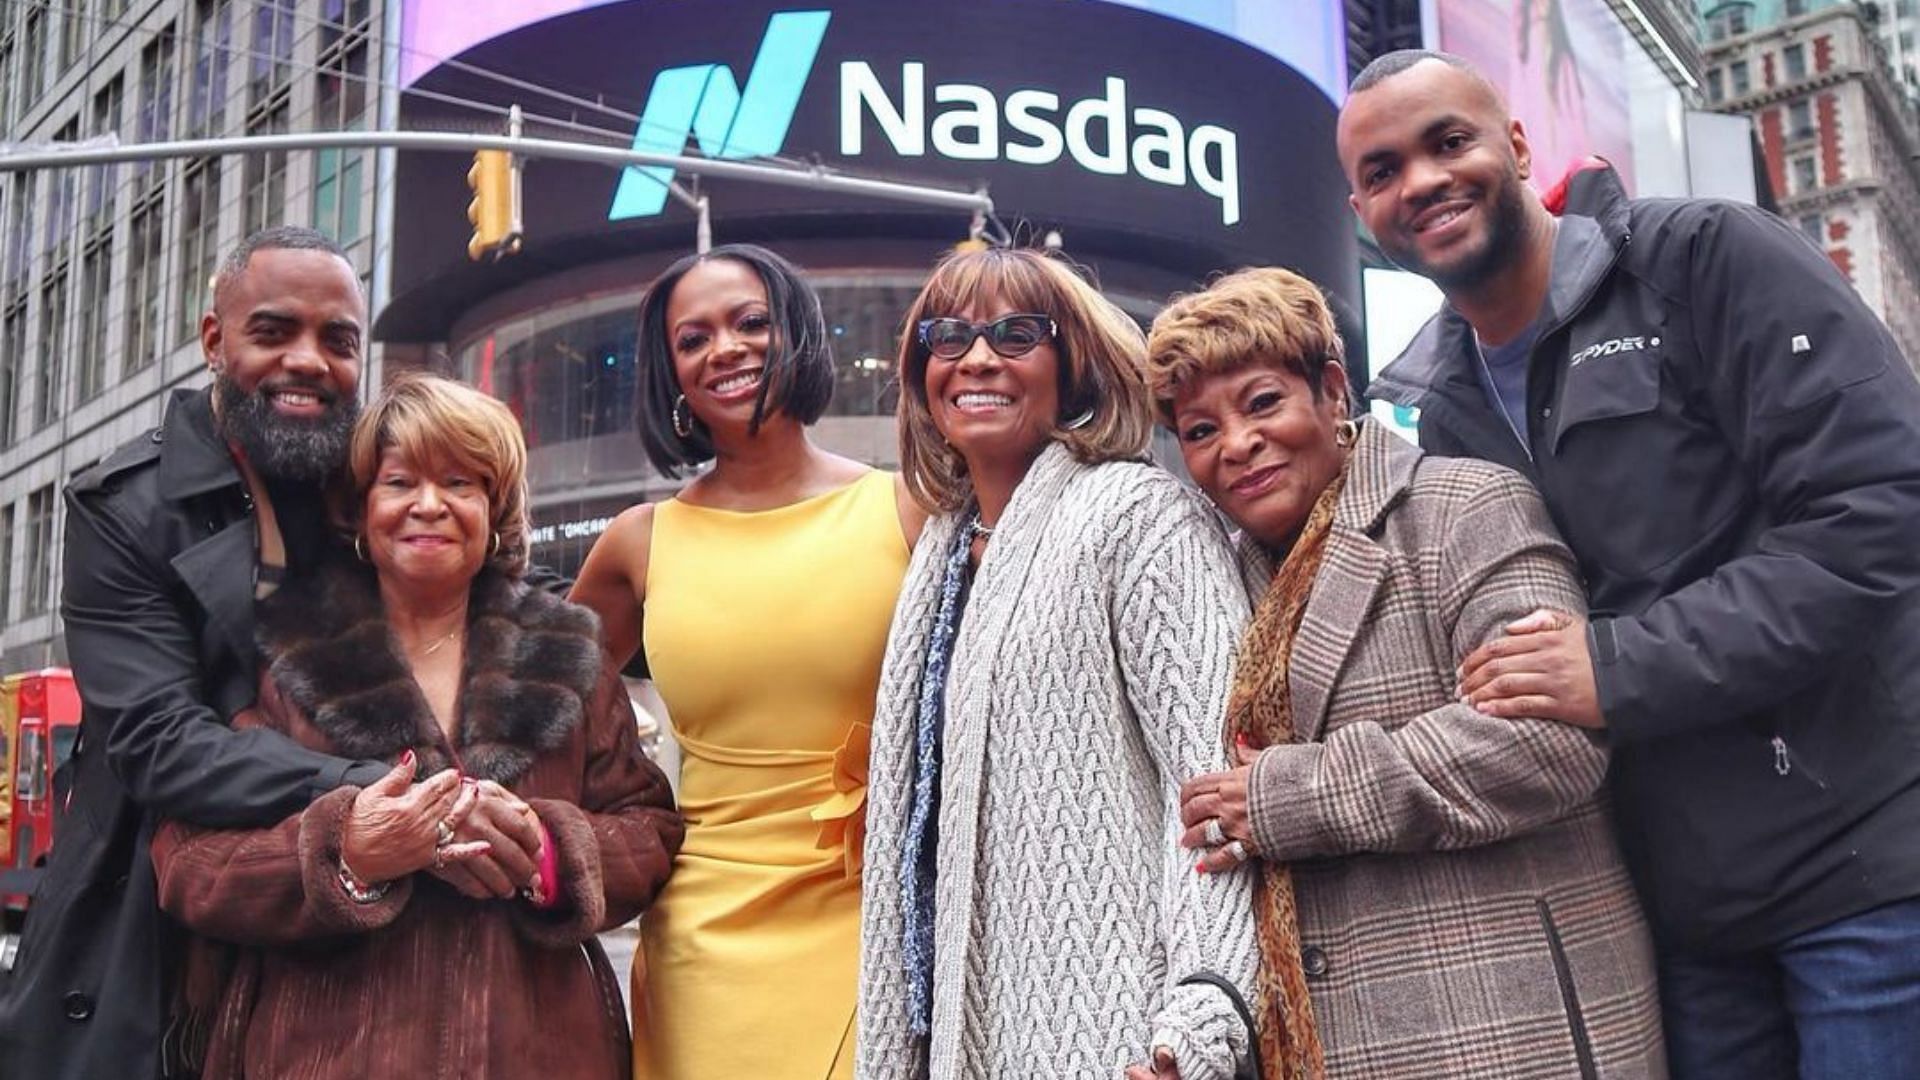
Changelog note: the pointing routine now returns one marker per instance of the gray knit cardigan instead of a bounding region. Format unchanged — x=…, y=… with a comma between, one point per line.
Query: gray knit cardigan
x=1089, y=679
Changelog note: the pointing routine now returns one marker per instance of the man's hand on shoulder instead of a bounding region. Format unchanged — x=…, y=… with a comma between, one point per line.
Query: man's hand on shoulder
x=1540, y=668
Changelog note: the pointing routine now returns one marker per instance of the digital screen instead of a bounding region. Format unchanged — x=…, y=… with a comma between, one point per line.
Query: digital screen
x=1310, y=35
x=1153, y=141
x=1398, y=304
x=1562, y=65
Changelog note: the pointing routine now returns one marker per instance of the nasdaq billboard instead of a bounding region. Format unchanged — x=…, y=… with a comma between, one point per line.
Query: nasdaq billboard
x=1140, y=136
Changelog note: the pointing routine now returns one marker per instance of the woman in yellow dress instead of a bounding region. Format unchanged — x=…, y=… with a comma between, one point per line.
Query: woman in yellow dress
x=762, y=594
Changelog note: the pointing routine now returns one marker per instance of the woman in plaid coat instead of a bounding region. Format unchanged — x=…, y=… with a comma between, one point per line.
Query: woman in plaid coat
x=1440, y=892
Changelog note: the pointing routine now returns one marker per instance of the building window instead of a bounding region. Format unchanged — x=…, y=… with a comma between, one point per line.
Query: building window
x=145, y=269
x=1739, y=78
x=33, y=47
x=212, y=45
x=199, y=241
x=38, y=593
x=6, y=79
x=60, y=199
x=1800, y=120
x=1716, y=85
x=13, y=347
x=1796, y=7
x=19, y=229
x=1804, y=177
x=72, y=14
x=266, y=174
x=271, y=49
x=53, y=349
x=342, y=19
x=156, y=99
x=6, y=563
x=1728, y=21
x=340, y=104
x=108, y=107
x=1795, y=57
x=96, y=282
x=1815, y=227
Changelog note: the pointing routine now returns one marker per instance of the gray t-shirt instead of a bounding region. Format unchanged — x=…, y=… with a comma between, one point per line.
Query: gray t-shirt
x=1503, y=375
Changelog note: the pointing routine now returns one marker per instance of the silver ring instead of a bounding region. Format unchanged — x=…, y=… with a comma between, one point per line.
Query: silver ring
x=444, y=829
x=1214, y=833
x=1237, y=851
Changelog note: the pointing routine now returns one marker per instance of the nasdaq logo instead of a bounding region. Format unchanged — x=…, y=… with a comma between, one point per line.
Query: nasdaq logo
x=1106, y=134
x=1041, y=128
x=704, y=101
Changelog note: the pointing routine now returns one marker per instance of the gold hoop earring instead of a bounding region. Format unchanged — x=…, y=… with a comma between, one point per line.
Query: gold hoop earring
x=1079, y=422
x=1345, y=434
x=493, y=549
x=360, y=548
x=682, y=421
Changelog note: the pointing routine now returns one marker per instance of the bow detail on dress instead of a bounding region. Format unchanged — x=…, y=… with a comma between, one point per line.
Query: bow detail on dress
x=842, y=817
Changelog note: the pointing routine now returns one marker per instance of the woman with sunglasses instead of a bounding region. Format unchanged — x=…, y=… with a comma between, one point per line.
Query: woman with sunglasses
x=1058, y=666
x=761, y=593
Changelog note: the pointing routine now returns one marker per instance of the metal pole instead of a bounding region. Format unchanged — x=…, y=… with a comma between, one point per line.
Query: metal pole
x=515, y=161
x=703, y=229
x=386, y=163
x=816, y=178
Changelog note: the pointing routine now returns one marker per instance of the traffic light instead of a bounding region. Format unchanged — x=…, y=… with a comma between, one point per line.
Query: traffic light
x=495, y=209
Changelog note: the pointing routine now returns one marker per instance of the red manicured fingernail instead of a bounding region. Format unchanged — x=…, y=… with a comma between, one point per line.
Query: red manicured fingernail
x=407, y=759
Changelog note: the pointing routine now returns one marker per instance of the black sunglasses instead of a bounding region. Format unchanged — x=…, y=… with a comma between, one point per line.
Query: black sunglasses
x=1011, y=336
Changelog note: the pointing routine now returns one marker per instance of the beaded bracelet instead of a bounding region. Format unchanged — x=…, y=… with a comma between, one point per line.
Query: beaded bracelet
x=357, y=890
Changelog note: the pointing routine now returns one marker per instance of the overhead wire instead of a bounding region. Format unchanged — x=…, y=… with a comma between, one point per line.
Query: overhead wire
x=633, y=119
x=370, y=81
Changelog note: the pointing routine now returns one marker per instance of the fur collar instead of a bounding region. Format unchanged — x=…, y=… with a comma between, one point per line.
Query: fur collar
x=532, y=663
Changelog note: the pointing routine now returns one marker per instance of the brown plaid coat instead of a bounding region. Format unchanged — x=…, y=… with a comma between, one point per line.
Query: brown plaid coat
x=1464, y=910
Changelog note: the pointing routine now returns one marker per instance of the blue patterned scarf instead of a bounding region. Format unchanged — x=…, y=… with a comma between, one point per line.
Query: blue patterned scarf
x=923, y=820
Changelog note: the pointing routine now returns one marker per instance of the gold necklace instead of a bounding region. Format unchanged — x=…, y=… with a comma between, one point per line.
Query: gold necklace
x=441, y=644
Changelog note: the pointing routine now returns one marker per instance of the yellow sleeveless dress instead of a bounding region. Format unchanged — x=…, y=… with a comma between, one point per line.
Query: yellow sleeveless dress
x=764, y=632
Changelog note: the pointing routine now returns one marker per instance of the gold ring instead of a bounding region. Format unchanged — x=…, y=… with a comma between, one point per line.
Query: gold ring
x=444, y=828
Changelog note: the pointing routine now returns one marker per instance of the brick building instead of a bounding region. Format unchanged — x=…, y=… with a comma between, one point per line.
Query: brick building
x=1838, y=136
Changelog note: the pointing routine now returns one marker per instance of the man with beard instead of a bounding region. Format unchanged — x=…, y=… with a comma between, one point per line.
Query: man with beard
x=1730, y=442
x=169, y=541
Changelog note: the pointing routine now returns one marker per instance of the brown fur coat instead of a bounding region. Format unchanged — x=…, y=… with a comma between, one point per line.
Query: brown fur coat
x=426, y=982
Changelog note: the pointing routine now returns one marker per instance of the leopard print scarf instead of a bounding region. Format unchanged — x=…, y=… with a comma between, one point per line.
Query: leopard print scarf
x=1260, y=710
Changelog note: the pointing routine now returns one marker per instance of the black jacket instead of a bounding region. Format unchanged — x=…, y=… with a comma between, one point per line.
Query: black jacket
x=158, y=605
x=1730, y=442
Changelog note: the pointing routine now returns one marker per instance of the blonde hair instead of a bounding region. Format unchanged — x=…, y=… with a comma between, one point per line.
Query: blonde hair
x=443, y=425
x=1102, y=365
x=1260, y=315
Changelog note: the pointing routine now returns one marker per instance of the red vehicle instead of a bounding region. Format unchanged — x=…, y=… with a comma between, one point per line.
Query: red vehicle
x=39, y=721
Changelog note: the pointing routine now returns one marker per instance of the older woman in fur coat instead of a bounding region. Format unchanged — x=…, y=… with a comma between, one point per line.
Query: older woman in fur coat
x=443, y=927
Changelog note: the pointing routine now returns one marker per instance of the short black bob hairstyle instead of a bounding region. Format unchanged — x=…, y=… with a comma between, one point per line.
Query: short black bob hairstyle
x=798, y=381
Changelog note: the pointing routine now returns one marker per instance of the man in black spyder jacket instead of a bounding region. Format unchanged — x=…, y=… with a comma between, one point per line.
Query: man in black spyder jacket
x=1730, y=442
x=167, y=542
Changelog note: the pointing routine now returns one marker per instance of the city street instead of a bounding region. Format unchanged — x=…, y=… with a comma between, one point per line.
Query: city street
x=1395, y=516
